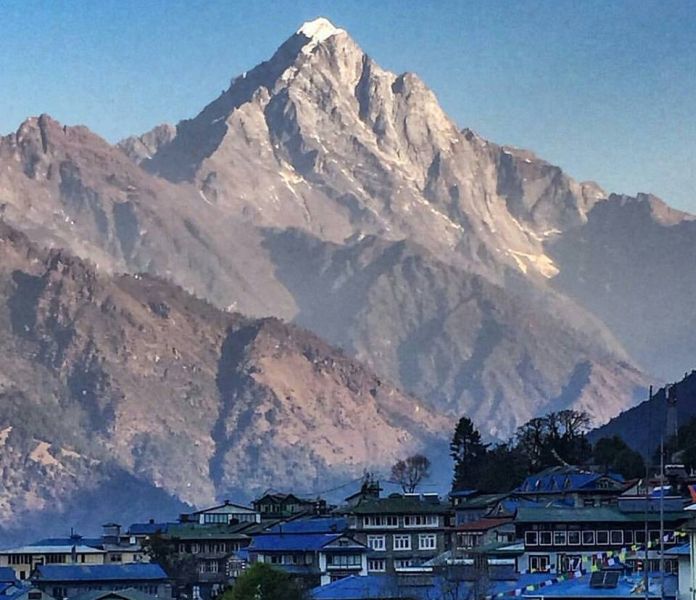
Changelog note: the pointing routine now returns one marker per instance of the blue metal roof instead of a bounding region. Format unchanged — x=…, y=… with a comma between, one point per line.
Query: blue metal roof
x=418, y=587
x=299, y=542
x=436, y=588
x=148, y=528
x=564, y=479
x=121, y=572
x=69, y=541
x=626, y=588
x=7, y=575
x=319, y=525
x=683, y=550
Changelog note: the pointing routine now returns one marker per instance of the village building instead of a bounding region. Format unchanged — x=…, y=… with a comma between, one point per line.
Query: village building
x=274, y=505
x=67, y=581
x=564, y=539
x=223, y=514
x=315, y=558
x=402, y=532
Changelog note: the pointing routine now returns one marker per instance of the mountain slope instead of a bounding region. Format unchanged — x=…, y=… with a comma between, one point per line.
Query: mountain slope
x=631, y=264
x=642, y=426
x=451, y=337
x=134, y=373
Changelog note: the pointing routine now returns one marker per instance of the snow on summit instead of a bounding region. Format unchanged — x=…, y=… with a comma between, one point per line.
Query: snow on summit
x=319, y=29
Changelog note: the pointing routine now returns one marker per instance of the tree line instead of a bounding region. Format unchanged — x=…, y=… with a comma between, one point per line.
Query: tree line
x=555, y=439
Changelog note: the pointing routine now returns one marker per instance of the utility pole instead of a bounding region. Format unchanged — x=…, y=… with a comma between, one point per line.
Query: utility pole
x=646, y=577
x=646, y=562
x=662, y=518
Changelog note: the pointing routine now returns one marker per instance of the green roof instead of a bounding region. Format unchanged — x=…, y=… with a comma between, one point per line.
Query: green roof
x=588, y=514
x=194, y=531
x=401, y=506
x=482, y=501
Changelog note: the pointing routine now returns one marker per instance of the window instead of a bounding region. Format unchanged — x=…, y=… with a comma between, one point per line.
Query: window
x=559, y=538
x=59, y=593
x=195, y=548
x=573, y=538
x=427, y=541
x=381, y=521
x=531, y=538
x=602, y=538
x=378, y=565
x=376, y=542
x=344, y=560
x=403, y=563
x=544, y=538
x=34, y=595
x=402, y=542
x=628, y=537
x=420, y=521
x=216, y=518
x=55, y=558
x=539, y=562
x=640, y=536
x=115, y=558
x=616, y=537
x=588, y=538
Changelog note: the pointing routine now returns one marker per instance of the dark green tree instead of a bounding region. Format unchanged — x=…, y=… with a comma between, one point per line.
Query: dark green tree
x=629, y=463
x=264, y=582
x=468, y=453
x=613, y=454
x=181, y=568
x=556, y=438
x=504, y=467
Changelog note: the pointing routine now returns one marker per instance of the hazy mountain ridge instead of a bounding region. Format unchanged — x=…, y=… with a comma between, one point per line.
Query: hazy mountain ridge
x=135, y=373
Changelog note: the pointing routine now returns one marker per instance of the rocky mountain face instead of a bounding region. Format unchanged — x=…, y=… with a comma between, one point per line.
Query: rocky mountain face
x=134, y=376
x=322, y=190
x=631, y=264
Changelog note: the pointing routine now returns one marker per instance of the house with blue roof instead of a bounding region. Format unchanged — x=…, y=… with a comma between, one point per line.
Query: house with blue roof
x=316, y=558
x=312, y=525
x=573, y=485
x=113, y=547
x=67, y=581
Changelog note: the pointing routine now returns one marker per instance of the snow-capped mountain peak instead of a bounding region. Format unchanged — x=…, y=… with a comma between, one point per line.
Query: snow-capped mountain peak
x=319, y=29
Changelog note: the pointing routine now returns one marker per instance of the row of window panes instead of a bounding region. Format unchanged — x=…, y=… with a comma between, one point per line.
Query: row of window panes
x=344, y=560
x=290, y=559
x=393, y=521
x=195, y=548
x=614, y=537
x=426, y=541
x=208, y=566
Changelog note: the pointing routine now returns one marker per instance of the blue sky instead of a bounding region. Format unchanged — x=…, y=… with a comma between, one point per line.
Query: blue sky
x=607, y=90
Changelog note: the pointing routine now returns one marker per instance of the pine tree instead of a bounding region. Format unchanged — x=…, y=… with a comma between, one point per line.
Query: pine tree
x=468, y=453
